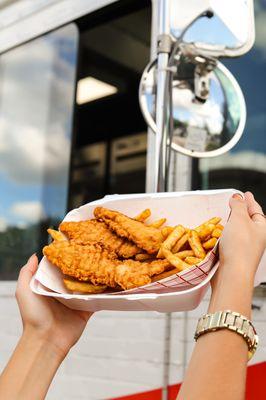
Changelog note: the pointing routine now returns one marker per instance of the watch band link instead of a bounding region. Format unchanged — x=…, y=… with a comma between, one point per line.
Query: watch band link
x=229, y=320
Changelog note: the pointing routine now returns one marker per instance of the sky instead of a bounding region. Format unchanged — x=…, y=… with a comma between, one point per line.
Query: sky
x=36, y=101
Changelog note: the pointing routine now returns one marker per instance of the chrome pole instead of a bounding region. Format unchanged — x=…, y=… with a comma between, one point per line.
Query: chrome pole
x=160, y=183
x=160, y=159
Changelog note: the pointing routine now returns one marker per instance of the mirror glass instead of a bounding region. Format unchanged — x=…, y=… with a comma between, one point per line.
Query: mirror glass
x=199, y=129
x=220, y=31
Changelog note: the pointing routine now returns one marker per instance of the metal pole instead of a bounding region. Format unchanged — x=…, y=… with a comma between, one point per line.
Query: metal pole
x=160, y=157
x=160, y=161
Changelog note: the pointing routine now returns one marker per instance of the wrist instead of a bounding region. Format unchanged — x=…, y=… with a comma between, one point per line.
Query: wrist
x=232, y=289
x=43, y=340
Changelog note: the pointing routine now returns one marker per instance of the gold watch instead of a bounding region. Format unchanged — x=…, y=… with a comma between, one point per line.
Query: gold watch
x=234, y=322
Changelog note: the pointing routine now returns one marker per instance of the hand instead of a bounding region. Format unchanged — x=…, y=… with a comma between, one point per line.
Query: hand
x=241, y=247
x=45, y=316
x=244, y=238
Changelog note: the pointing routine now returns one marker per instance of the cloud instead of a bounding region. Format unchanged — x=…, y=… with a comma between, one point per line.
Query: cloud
x=36, y=108
x=197, y=114
x=29, y=155
x=28, y=211
x=3, y=224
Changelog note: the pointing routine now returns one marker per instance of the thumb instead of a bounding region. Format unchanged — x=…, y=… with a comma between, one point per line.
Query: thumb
x=27, y=272
x=238, y=205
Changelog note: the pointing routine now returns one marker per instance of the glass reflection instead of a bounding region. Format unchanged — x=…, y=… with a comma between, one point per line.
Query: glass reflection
x=200, y=127
x=222, y=21
x=244, y=167
x=36, y=99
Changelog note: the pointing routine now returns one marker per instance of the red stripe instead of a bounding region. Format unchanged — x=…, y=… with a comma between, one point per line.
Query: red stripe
x=256, y=388
x=153, y=394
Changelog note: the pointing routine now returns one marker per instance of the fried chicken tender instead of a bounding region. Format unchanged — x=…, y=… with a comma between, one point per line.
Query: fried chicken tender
x=85, y=263
x=93, y=232
x=146, y=237
x=95, y=264
x=131, y=274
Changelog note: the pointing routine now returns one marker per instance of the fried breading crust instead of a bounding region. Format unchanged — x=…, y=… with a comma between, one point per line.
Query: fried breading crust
x=146, y=237
x=95, y=264
x=93, y=232
x=86, y=263
x=131, y=274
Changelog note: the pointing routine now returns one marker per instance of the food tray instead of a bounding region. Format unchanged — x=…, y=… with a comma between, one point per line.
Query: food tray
x=179, y=292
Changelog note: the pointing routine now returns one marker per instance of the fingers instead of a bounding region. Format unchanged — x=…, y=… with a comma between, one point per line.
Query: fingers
x=238, y=206
x=254, y=209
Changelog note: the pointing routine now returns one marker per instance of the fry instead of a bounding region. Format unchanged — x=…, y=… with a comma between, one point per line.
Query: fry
x=166, y=231
x=213, y=221
x=205, y=231
x=196, y=245
x=163, y=275
x=217, y=233
x=219, y=226
x=56, y=235
x=172, y=239
x=184, y=254
x=210, y=243
x=174, y=260
x=193, y=260
x=159, y=223
x=143, y=215
x=143, y=257
x=181, y=242
x=83, y=287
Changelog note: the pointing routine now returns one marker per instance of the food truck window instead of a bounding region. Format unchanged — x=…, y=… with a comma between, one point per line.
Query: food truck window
x=37, y=89
x=244, y=167
x=109, y=155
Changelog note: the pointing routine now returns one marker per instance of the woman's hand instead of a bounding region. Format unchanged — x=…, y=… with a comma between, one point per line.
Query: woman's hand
x=45, y=317
x=241, y=248
x=244, y=238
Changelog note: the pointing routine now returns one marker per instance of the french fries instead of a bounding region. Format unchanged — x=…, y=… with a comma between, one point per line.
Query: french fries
x=183, y=247
x=174, y=260
x=196, y=245
x=217, y=233
x=180, y=243
x=209, y=244
x=56, y=235
x=171, y=240
x=159, y=223
x=145, y=214
x=166, y=231
x=185, y=253
x=193, y=260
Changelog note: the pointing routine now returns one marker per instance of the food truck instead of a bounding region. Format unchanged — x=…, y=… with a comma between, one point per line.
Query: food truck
x=75, y=125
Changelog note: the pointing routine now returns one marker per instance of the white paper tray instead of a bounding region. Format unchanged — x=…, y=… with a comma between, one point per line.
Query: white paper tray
x=181, y=293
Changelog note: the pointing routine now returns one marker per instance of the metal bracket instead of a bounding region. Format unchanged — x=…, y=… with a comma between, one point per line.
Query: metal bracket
x=164, y=44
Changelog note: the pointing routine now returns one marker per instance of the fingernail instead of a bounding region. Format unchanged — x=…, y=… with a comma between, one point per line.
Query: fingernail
x=237, y=196
x=31, y=257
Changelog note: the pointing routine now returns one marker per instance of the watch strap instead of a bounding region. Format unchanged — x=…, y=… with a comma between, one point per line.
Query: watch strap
x=229, y=320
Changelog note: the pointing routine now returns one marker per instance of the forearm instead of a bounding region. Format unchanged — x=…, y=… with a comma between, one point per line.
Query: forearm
x=218, y=365
x=31, y=369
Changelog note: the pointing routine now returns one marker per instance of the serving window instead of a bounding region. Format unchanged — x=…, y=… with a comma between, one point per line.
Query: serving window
x=36, y=107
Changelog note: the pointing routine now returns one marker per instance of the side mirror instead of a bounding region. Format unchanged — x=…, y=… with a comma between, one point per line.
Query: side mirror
x=200, y=129
x=217, y=28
